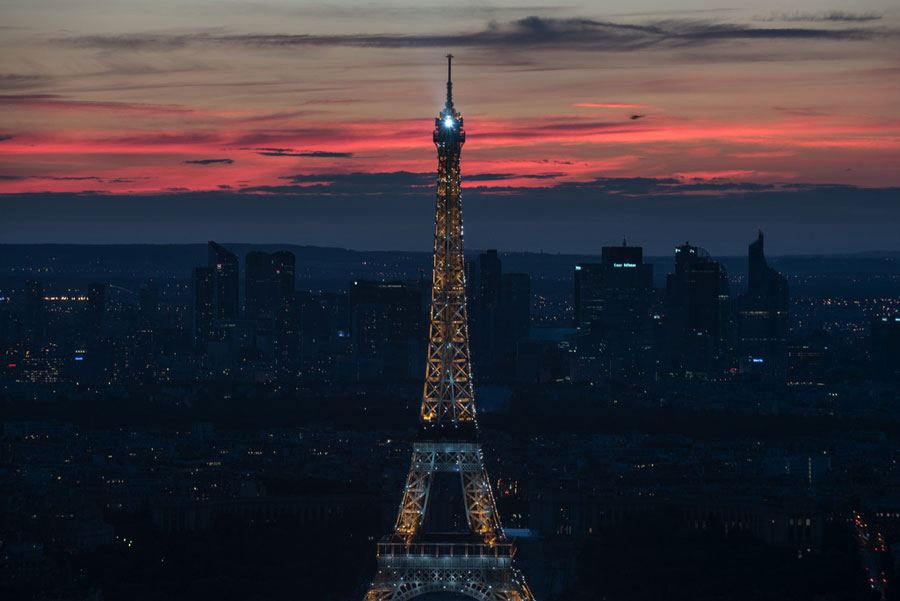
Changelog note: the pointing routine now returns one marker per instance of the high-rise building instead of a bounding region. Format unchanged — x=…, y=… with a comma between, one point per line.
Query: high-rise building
x=285, y=270
x=224, y=265
x=387, y=326
x=483, y=305
x=696, y=313
x=269, y=282
x=324, y=333
x=34, y=320
x=884, y=347
x=515, y=314
x=499, y=308
x=96, y=305
x=588, y=295
x=612, y=310
x=203, y=295
x=148, y=307
x=763, y=318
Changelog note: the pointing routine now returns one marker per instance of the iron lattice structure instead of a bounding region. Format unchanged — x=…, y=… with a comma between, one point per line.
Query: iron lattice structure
x=478, y=563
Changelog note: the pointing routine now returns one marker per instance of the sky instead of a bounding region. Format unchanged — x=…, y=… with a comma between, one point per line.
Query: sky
x=295, y=122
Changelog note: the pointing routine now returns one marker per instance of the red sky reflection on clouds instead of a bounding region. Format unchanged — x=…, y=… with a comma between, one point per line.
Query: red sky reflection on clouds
x=154, y=155
x=99, y=111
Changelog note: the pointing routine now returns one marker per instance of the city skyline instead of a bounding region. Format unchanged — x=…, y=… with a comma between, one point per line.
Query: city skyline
x=654, y=366
x=302, y=125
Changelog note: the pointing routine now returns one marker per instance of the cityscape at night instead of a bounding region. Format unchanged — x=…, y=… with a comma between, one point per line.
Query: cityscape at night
x=251, y=352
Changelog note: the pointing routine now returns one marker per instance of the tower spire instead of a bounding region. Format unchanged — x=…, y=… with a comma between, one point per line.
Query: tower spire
x=449, y=104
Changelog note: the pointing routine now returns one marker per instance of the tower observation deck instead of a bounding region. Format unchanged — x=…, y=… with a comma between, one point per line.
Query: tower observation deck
x=478, y=562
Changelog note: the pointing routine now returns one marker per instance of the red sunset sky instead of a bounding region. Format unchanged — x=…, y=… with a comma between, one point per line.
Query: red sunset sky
x=138, y=98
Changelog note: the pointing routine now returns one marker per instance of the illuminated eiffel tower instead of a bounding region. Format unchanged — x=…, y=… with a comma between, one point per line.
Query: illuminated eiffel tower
x=477, y=563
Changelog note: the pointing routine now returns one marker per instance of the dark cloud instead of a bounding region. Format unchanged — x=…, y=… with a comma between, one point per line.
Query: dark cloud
x=287, y=152
x=345, y=184
x=3, y=138
x=529, y=32
x=833, y=16
x=503, y=176
x=19, y=81
x=11, y=177
x=58, y=101
x=405, y=182
x=24, y=98
x=210, y=162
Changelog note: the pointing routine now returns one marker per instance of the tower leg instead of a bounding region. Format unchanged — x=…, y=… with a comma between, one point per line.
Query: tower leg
x=415, y=495
x=480, y=508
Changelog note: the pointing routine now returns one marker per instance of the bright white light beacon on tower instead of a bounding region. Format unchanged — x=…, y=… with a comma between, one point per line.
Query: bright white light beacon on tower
x=448, y=122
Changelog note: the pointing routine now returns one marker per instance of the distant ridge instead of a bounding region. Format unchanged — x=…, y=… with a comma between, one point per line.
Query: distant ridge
x=319, y=263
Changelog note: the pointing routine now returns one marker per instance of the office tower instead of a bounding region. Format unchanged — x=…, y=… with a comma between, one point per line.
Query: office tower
x=612, y=311
x=269, y=282
x=148, y=304
x=324, y=333
x=270, y=306
x=514, y=324
x=8, y=326
x=479, y=562
x=588, y=295
x=96, y=305
x=142, y=354
x=34, y=318
x=203, y=295
x=762, y=318
x=483, y=283
x=387, y=325
x=224, y=265
x=261, y=288
x=285, y=272
x=884, y=347
x=287, y=347
x=696, y=313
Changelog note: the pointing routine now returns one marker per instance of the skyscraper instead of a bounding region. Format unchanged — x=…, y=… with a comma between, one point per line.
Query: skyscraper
x=203, y=295
x=224, y=265
x=696, y=313
x=515, y=301
x=588, y=295
x=763, y=317
x=612, y=309
x=484, y=310
x=269, y=281
x=96, y=308
x=387, y=325
x=884, y=347
x=148, y=306
x=34, y=318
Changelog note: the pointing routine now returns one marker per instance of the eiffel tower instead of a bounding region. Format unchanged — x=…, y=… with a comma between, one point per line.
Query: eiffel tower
x=477, y=563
